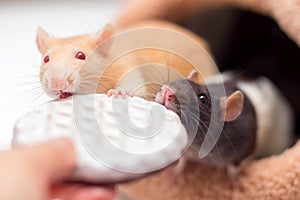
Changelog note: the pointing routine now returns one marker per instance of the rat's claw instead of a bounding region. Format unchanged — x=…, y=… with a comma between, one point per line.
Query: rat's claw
x=119, y=91
x=110, y=92
x=129, y=94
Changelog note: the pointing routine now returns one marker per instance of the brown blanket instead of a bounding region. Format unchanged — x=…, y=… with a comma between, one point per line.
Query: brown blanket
x=276, y=177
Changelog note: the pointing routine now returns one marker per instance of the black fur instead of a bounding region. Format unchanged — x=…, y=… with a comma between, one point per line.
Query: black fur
x=237, y=139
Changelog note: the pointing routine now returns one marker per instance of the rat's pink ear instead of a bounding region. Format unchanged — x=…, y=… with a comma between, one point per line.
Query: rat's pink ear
x=103, y=38
x=194, y=76
x=232, y=106
x=42, y=38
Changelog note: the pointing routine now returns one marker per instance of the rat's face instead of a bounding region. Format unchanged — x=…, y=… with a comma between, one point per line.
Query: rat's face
x=62, y=64
x=71, y=65
x=199, y=108
x=189, y=100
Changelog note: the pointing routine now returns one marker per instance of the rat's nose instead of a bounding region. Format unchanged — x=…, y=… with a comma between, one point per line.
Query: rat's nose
x=56, y=84
x=168, y=94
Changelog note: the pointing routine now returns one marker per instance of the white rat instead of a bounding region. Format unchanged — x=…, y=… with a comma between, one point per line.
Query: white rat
x=87, y=64
x=62, y=73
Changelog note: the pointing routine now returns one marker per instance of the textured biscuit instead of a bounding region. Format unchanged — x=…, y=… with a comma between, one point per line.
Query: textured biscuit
x=116, y=139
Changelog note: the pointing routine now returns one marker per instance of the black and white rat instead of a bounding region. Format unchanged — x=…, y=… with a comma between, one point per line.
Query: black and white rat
x=253, y=116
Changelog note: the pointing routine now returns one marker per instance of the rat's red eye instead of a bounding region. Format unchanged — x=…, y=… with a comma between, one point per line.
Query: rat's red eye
x=80, y=55
x=46, y=59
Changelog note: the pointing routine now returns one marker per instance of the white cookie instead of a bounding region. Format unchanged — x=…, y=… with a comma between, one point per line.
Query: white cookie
x=116, y=139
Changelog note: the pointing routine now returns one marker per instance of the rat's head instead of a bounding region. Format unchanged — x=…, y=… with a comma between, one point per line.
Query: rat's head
x=187, y=98
x=193, y=102
x=66, y=60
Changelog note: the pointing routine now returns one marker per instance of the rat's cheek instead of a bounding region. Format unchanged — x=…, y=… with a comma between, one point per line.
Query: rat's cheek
x=42, y=72
x=78, y=82
x=79, y=65
x=43, y=80
x=158, y=98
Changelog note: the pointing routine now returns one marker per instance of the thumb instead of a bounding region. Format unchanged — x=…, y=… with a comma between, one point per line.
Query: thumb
x=53, y=160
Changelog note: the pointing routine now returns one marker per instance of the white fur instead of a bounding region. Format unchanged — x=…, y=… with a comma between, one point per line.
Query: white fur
x=219, y=78
x=274, y=116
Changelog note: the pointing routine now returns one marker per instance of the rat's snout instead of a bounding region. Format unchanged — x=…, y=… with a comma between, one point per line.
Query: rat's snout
x=165, y=96
x=55, y=85
x=60, y=84
x=168, y=94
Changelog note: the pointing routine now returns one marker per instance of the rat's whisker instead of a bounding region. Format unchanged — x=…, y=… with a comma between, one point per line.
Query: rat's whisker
x=155, y=76
x=38, y=97
x=217, y=123
x=88, y=81
x=24, y=100
x=109, y=77
x=33, y=83
x=85, y=85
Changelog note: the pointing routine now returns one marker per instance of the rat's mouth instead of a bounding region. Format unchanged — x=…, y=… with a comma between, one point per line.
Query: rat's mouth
x=64, y=95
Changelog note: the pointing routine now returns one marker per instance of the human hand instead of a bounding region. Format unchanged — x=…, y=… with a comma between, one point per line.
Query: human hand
x=34, y=173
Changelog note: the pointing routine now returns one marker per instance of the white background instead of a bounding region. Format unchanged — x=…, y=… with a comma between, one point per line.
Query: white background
x=19, y=57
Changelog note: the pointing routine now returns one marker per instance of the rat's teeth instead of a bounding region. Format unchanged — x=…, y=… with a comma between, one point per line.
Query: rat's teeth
x=115, y=139
x=64, y=95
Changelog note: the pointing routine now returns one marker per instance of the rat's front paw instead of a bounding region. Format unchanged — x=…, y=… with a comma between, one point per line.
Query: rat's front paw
x=119, y=91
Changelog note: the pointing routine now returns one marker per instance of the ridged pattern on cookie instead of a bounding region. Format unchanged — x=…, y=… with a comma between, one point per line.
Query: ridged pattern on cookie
x=116, y=139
